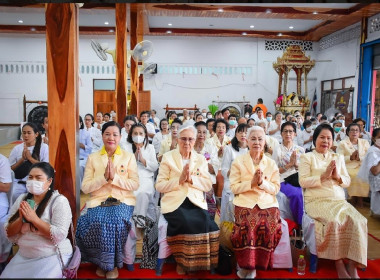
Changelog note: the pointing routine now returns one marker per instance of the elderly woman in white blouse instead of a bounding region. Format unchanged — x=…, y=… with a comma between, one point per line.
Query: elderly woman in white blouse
x=5, y=185
x=39, y=220
x=274, y=128
x=239, y=146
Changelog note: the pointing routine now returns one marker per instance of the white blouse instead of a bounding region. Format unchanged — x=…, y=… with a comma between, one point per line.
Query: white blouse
x=229, y=155
x=5, y=177
x=158, y=137
x=16, y=154
x=149, y=155
x=282, y=157
x=96, y=138
x=33, y=244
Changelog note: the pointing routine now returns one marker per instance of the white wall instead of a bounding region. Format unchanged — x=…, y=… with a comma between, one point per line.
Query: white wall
x=341, y=60
x=173, y=89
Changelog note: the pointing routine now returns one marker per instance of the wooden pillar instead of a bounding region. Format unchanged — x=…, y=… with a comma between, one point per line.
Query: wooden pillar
x=62, y=89
x=136, y=36
x=121, y=61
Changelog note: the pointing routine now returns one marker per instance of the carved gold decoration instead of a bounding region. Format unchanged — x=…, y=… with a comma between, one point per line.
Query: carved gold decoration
x=293, y=59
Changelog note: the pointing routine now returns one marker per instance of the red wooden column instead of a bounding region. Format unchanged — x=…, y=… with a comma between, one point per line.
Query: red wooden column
x=121, y=61
x=62, y=88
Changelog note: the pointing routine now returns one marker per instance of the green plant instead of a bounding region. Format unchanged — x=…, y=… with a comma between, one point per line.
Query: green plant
x=213, y=108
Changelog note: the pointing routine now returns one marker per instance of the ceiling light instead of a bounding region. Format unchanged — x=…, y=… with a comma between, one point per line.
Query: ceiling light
x=251, y=26
x=291, y=27
x=20, y=21
x=170, y=24
x=315, y=13
x=106, y=23
x=279, y=34
x=111, y=30
x=220, y=10
x=32, y=29
x=268, y=11
x=168, y=32
x=244, y=33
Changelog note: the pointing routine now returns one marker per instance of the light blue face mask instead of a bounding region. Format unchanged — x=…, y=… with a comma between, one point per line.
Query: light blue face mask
x=269, y=119
x=232, y=122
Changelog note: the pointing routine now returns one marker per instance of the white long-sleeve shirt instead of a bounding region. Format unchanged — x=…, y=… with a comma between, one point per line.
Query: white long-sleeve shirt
x=33, y=244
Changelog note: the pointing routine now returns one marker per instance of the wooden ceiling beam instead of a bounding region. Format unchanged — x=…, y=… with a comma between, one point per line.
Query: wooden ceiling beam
x=226, y=33
x=38, y=29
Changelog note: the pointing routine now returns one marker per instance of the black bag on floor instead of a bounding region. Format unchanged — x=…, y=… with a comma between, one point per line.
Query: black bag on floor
x=225, y=261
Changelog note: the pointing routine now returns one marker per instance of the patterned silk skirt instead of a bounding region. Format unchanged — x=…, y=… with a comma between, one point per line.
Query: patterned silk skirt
x=102, y=233
x=193, y=237
x=340, y=230
x=255, y=235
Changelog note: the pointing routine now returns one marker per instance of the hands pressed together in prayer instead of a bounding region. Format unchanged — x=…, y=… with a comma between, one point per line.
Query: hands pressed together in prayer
x=355, y=156
x=185, y=175
x=331, y=173
x=109, y=173
x=257, y=179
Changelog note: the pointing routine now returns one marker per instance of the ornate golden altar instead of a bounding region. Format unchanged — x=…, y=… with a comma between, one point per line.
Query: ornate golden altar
x=293, y=59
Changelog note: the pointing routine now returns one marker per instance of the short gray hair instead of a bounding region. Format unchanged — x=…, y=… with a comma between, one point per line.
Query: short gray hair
x=255, y=128
x=187, y=127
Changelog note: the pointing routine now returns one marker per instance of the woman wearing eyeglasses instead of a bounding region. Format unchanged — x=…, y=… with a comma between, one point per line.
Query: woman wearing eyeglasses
x=354, y=149
x=183, y=180
x=287, y=157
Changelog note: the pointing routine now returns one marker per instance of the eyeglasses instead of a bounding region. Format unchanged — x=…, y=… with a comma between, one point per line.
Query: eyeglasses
x=354, y=130
x=186, y=139
x=288, y=131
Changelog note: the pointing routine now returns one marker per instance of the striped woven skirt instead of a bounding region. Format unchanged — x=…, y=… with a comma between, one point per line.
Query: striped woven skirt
x=102, y=233
x=193, y=237
x=255, y=235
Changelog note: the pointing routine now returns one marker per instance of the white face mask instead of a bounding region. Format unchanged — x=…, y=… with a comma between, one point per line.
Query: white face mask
x=138, y=139
x=246, y=116
x=35, y=187
x=204, y=115
x=377, y=142
x=308, y=129
x=209, y=116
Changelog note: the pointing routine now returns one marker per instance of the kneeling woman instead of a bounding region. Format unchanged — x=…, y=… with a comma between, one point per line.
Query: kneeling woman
x=340, y=230
x=38, y=220
x=255, y=181
x=183, y=179
x=110, y=178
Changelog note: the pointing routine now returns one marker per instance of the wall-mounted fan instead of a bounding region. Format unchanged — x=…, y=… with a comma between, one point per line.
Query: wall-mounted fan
x=142, y=51
x=149, y=70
